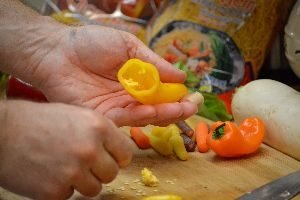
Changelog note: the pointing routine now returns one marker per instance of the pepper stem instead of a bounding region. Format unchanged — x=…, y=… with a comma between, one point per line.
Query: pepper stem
x=219, y=132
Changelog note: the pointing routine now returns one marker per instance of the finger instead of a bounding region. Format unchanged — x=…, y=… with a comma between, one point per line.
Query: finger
x=118, y=145
x=87, y=184
x=105, y=168
x=55, y=191
x=167, y=72
x=195, y=98
x=131, y=114
x=70, y=193
x=142, y=115
x=136, y=49
x=173, y=112
x=122, y=100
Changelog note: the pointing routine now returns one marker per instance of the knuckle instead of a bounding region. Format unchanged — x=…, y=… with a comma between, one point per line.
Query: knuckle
x=92, y=117
x=98, y=124
x=87, y=153
x=73, y=175
x=90, y=153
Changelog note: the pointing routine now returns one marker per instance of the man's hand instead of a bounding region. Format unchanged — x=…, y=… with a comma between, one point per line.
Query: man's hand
x=51, y=149
x=78, y=65
x=81, y=69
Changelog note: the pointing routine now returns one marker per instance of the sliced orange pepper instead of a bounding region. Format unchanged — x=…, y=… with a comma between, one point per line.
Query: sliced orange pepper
x=253, y=131
x=141, y=80
x=225, y=139
x=228, y=140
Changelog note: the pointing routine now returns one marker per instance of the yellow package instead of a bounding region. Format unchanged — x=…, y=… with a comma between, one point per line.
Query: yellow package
x=220, y=43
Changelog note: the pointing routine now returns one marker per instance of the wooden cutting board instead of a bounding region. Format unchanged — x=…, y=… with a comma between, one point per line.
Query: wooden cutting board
x=203, y=176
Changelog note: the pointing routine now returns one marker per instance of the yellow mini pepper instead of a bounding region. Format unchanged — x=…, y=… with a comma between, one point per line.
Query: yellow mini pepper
x=163, y=197
x=141, y=80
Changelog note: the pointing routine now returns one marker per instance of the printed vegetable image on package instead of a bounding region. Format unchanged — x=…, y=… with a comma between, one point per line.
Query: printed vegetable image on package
x=211, y=55
x=221, y=44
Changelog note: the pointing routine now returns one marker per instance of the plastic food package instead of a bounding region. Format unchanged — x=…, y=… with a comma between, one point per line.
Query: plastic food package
x=130, y=16
x=133, y=8
x=220, y=43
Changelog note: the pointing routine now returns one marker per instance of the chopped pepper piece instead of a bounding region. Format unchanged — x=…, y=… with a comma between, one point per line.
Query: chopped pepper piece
x=148, y=178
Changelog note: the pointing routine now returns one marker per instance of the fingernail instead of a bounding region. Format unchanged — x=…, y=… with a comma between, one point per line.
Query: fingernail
x=195, y=98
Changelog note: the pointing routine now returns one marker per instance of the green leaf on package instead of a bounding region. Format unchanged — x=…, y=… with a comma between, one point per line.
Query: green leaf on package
x=214, y=108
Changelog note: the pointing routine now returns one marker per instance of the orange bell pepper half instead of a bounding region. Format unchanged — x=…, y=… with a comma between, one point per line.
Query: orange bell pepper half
x=226, y=139
x=141, y=80
x=253, y=132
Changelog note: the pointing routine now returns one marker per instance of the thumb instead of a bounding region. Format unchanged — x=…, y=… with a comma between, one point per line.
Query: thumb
x=167, y=72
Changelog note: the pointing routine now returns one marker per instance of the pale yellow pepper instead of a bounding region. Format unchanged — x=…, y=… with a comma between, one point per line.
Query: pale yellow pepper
x=166, y=139
x=165, y=132
x=160, y=145
x=178, y=147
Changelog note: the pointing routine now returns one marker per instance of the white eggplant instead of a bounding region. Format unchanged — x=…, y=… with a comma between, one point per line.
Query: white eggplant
x=278, y=105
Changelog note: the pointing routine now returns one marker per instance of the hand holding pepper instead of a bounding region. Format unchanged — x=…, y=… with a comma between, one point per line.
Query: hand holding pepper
x=142, y=81
x=84, y=73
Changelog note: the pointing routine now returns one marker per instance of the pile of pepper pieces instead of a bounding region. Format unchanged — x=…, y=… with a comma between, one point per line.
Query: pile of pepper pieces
x=226, y=139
